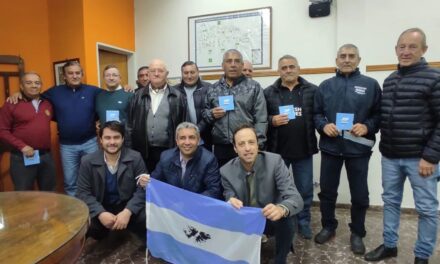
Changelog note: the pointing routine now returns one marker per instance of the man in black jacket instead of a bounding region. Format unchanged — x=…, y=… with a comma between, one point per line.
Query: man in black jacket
x=410, y=145
x=194, y=90
x=155, y=112
x=346, y=114
x=293, y=137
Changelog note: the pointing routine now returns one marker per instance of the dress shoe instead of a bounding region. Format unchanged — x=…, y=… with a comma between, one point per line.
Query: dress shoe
x=305, y=231
x=381, y=253
x=420, y=261
x=357, y=245
x=324, y=236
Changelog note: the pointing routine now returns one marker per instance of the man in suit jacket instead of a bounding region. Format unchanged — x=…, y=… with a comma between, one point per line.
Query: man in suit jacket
x=261, y=179
x=107, y=184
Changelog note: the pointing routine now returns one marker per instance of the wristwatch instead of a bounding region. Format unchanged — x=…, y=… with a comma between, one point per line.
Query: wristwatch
x=286, y=211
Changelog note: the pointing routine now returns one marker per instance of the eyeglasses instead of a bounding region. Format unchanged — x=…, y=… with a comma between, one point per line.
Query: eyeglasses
x=111, y=75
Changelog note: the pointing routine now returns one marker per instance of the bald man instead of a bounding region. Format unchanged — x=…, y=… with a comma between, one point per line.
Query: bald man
x=153, y=116
x=248, y=69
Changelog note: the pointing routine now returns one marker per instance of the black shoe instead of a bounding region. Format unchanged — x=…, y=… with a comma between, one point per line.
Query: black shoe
x=305, y=231
x=357, y=245
x=381, y=253
x=324, y=236
x=420, y=261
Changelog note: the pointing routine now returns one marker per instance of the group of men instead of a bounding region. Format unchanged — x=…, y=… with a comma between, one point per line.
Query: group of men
x=173, y=129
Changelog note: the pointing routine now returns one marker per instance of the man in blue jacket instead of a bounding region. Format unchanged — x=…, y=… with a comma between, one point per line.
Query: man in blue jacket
x=346, y=114
x=188, y=166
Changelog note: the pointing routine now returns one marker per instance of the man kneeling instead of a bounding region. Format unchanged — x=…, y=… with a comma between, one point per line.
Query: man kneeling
x=107, y=184
x=261, y=179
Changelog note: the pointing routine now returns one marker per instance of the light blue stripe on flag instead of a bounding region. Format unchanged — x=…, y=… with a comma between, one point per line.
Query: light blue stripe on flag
x=176, y=252
x=184, y=203
x=184, y=227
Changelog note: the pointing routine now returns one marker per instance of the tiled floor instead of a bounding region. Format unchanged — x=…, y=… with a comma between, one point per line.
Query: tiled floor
x=125, y=248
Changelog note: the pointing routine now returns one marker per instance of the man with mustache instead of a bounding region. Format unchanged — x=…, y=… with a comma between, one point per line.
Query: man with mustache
x=293, y=137
x=194, y=90
x=346, y=115
x=107, y=184
x=25, y=126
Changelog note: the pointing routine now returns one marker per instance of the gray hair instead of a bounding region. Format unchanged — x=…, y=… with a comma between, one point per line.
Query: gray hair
x=287, y=57
x=187, y=125
x=418, y=30
x=349, y=46
x=232, y=51
x=28, y=73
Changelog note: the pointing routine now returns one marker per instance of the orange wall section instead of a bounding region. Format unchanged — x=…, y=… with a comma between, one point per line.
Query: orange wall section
x=24, y=32
x=24, y=27
x=66, y=30
x=44, y=31
x=110, y=22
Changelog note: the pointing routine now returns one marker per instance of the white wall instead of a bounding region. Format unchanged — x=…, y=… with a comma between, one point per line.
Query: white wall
x=373, y=25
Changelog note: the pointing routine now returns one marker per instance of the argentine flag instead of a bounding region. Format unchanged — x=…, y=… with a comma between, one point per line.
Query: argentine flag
x=185, y=227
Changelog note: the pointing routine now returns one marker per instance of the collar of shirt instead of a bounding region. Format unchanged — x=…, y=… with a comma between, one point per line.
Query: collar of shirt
x=36, y=104
x=157, y=91
x=112, y=169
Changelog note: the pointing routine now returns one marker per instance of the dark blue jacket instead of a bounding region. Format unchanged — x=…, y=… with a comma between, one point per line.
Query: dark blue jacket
x=201, y=176
x=74, y=111
x=357, y=94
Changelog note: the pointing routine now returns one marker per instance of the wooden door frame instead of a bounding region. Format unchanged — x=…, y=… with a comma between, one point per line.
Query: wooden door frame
x=131, y=69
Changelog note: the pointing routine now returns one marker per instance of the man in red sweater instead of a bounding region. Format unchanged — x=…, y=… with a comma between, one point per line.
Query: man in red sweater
x=25, y=126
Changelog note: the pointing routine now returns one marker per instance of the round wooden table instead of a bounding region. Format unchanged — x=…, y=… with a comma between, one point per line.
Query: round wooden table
x=41, y=227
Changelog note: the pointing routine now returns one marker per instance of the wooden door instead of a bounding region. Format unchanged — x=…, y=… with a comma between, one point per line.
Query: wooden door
x=120, y=60
x=13, y=83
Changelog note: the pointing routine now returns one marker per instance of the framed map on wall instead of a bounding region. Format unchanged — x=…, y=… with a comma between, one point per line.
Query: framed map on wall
x=248, y=31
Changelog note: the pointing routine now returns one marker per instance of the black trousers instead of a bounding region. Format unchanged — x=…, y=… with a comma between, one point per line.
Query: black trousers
x=357, y=172
x=224, y=153
x=137, y=224
x=153, y=157
x=283, y=230
x=24, y=177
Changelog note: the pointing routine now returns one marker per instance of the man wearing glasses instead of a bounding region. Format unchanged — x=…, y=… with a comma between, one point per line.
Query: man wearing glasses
x=112, y=104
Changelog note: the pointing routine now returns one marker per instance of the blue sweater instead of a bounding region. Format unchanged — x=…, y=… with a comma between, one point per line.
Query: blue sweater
x=74, y=111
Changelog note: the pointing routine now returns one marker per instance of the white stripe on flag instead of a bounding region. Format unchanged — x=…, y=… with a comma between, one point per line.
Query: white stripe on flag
x=233, y=246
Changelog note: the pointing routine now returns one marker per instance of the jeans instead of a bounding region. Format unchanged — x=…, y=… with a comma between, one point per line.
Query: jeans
x=71, y=158
x=303, y=176
x=357, y=172
x=283, y=229
x=394, y=174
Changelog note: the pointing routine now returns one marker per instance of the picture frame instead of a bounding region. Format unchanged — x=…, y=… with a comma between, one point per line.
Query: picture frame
x=58, y=70
x=249, y=31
